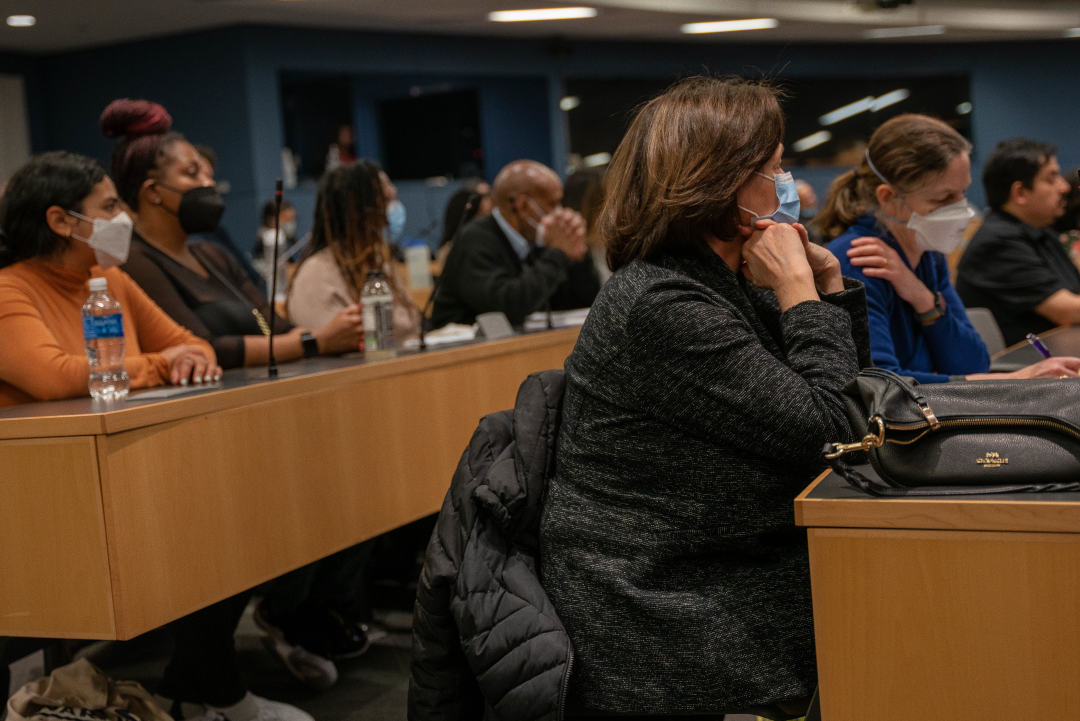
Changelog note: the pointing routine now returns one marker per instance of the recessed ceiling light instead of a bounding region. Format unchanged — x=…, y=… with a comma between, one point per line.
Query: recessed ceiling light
x=859, y=106
x=570, y=102
x=730, y=26
x=908, y=32
x=591, y=161
x=963, y=108
x=21, y=21
x=522, y=16
x=884, y=101
x=812, y=141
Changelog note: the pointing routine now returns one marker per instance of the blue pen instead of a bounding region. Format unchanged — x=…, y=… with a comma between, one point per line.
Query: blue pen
x=1035, y=341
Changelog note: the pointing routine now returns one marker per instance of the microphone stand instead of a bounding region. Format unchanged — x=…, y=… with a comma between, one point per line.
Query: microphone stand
x=472, y=205
x=271, y=369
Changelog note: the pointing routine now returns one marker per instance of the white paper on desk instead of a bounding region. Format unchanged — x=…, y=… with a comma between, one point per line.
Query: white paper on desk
x=171, y=391
x=559, y=319
x=449, y=333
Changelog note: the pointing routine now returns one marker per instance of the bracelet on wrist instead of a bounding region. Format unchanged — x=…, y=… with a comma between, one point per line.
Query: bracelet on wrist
x=934, y=314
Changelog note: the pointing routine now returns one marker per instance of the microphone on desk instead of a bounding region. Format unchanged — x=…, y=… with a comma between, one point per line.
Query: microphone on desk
x=271, y=369
x=472, y=206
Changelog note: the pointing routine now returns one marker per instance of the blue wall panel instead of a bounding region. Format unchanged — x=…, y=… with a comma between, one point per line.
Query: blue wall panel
x=199, y=78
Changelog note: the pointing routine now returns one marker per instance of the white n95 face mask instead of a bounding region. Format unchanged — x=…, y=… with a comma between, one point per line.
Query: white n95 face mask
x=943, y=229
x=111, y=239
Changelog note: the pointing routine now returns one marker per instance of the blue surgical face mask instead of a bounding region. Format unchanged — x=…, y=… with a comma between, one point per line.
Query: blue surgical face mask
x=395, y=217
x=787, y=196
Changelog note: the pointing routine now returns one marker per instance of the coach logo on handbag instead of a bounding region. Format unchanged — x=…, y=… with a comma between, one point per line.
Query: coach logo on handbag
x=992, y=460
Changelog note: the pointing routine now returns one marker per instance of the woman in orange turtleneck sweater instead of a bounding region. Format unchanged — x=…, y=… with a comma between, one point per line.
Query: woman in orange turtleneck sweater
x=44, y=278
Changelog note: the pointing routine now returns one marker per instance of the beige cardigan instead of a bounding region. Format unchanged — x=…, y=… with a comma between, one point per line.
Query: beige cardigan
x=319, y=291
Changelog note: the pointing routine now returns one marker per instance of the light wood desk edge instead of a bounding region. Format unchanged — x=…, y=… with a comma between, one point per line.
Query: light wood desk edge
x=118, y=522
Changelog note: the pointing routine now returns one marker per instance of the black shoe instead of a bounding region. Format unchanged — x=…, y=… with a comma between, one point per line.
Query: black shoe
x=327, y=633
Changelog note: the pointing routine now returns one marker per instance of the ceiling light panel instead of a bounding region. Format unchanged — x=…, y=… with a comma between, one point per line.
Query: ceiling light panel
x=905, y=32
x=524, y=16
x=884, y=101
x=730, y=26
x=859, y=106
x=21, y=21
x=811, y=141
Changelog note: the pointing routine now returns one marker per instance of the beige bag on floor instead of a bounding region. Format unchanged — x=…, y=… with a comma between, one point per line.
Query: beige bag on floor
x=80, y=691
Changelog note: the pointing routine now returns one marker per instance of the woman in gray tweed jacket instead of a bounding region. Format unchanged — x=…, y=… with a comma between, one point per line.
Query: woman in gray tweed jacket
x=704, y=384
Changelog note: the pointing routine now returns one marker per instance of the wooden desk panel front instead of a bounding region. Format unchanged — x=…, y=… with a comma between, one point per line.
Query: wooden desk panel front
x=54, y=567
x=935, y=624
x=206, y=505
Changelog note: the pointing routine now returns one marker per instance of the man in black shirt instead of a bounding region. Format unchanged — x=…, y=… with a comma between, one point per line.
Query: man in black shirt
x=1015, y=265
x=516, y=259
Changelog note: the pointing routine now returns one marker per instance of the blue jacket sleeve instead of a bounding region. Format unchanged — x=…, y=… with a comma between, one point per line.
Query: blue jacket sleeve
x=954, y=343
x=880, y=297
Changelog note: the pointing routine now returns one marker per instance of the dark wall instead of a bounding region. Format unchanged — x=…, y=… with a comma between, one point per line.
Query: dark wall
x=30, y=69
x=222, y=88
x=199, y=78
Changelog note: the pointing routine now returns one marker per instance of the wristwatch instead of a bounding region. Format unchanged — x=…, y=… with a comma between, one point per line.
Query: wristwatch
x=934, y=314
x=310, y=344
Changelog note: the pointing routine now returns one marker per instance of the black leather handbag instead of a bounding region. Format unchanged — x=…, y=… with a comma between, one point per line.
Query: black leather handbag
x=1007, y=436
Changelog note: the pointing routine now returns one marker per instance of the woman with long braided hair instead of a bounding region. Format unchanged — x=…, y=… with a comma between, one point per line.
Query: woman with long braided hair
x=348, y=241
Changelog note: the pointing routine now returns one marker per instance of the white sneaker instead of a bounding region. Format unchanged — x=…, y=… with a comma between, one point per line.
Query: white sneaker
x=187, y=711
x=312, y=670
x=257, y=708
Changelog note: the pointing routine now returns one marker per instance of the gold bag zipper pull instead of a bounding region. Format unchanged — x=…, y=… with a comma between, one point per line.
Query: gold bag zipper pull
x=928, y=414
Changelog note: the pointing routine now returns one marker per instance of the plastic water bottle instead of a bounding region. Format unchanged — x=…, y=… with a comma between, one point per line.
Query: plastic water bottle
x=418, y=264
x=377, y=310
x=103, y=331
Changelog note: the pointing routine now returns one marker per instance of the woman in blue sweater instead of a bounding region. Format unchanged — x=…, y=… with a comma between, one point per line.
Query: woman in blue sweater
x=893, y=220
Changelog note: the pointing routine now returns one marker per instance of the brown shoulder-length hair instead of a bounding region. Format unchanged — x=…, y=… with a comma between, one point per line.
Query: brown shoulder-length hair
x=675, y=175
x=908, y=150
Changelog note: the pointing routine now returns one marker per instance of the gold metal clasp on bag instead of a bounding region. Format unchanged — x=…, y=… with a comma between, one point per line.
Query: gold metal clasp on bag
x=871, y=440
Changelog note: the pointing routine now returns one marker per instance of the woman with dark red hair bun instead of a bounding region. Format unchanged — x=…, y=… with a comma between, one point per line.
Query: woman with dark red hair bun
x=171, y=194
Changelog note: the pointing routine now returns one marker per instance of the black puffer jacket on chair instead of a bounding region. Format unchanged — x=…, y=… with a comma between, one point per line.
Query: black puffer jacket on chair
x=486, y=640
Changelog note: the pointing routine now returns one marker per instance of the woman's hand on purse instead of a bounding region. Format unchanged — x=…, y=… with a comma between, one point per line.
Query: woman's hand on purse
x=878, y=260
x=775, y=259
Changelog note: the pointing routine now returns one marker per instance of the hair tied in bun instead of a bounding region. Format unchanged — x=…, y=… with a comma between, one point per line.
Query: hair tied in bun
x=126, y=118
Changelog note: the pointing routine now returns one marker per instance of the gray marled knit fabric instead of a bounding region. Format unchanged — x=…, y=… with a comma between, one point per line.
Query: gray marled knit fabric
x=695, y=413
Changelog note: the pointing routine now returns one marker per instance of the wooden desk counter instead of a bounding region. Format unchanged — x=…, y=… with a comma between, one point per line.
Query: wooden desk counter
x=944, y=609
x=116, y=518
x=1063, y=341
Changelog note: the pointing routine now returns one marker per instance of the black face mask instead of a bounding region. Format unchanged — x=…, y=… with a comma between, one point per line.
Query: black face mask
x=200, y=209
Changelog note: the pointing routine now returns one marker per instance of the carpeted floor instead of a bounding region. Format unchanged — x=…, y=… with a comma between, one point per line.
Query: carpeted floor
x=374, y=686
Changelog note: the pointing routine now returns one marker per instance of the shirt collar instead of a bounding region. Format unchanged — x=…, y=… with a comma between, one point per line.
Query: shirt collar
x=517, y=241
x=1029, y=231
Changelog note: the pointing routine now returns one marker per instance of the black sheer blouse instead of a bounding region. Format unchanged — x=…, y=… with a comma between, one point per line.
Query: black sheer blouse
x=217, y=309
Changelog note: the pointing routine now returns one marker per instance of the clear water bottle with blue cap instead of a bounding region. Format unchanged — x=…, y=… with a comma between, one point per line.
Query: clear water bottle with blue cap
x=103, y=331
